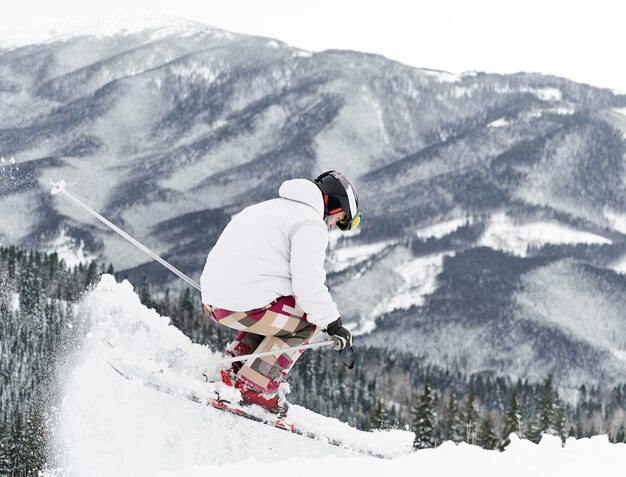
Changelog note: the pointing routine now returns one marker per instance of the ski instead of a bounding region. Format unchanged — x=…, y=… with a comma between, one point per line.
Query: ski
x=225, y=406
x=215, y=402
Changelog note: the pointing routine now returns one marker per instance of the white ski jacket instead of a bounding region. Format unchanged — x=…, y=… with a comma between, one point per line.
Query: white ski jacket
x=272, y=249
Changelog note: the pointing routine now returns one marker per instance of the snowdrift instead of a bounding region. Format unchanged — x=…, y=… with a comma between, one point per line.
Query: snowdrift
x=111, y=426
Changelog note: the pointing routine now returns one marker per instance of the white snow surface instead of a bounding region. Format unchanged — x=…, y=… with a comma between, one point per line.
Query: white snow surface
x=110, y=426
x=577, y=458
x=498, y=123
x=420, y=280
x=443, y=76
x=615, y=219
x=443, y=228
x=14, y=302
x=346, y=257
x=503, y=233
x=68, y=250
x=544, y=94
x=104, y=27
x=302, y=54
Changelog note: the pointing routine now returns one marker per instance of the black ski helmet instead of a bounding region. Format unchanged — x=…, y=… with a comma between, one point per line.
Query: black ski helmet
x=339, y=194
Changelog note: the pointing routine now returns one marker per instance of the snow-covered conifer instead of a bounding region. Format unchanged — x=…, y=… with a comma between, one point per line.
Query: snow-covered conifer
x=424, y=415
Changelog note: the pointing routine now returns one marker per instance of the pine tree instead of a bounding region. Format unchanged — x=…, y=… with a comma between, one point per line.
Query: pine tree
x=17, y=465
x=470, y=417
x=547, y=412
x=32, y=451
x=379, y=418
x=5, y=292
x=560, y=421
x=164, y=307
x=11, y=262
x=424, y=416
x=451, y=419
x=512, y=419
x=144, y=293
x=5, y=453
x=546, y=406
x=394, y=418
x=186, y=305
x=29, y=290
x=486, y=437
x=92, y=274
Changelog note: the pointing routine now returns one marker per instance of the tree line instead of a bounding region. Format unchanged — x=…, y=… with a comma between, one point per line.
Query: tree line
x=37, y=291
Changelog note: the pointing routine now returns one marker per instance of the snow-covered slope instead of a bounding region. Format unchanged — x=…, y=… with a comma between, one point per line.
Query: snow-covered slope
x=523, y=317
x=109, y=426
x=522, y=458
x=504, y=234
x=103, y=27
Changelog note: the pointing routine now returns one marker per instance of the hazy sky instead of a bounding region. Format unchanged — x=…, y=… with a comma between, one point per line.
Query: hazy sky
x=583, y=40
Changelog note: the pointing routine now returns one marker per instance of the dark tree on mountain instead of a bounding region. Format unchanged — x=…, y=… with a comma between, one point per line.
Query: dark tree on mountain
x=512, y=420
x=379, y=418
x=29, y=290
x=546, y=408
x=33, y=445
x=486, y=437
x=15, y=464
x=22, y=454
x=92, y=274
x=5, y=454
x=424, y=416
x=186, y=304
x=560, y=420
x=394, y=418
x=11, y=260
x=164, y=307
x=451, y=431
x=5, y=292
x=144, y=293
x=470, y=417
x=548, y=413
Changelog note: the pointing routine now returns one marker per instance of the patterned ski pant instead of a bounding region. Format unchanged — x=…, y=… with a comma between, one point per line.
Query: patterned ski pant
x=281, y=324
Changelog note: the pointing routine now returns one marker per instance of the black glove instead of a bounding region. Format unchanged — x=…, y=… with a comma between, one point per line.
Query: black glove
x=342, y=337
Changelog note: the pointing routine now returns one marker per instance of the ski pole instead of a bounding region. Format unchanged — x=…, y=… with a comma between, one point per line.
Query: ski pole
x=246, y=357
x=59, y=187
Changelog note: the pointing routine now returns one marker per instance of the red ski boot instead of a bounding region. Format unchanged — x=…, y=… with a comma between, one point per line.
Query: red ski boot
x=268, y=402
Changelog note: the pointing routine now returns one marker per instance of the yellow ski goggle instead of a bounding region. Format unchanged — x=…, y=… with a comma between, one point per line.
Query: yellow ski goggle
x=352, y=224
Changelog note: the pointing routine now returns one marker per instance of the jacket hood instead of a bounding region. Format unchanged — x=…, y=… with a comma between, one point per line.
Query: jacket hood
x=305, y=191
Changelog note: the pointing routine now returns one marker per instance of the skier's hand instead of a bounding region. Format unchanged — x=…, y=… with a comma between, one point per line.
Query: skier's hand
x=341, y=336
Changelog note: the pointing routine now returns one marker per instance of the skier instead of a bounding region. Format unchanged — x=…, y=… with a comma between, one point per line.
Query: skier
x=265, y=277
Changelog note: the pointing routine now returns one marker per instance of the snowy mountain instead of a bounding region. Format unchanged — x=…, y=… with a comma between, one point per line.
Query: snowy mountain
x=493, y=238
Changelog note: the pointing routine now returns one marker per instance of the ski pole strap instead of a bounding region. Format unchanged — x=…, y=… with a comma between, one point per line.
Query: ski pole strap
x=348, y=362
